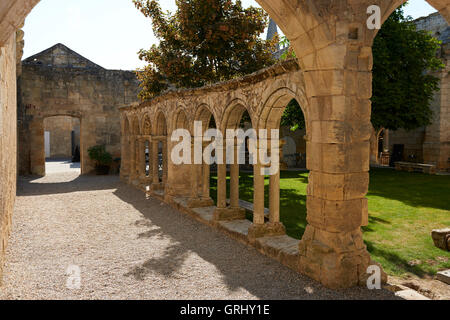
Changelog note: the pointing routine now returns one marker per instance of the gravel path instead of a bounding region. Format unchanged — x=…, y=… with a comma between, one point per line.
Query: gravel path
x=129, y=247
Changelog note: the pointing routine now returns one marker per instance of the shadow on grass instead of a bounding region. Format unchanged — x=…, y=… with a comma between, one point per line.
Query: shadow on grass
x=396, y=260
x=413, y=189
x=292, y=202
x=372, y=221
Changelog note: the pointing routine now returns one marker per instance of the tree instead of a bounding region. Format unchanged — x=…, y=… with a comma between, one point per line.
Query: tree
x=203, y=42
x=403, y=86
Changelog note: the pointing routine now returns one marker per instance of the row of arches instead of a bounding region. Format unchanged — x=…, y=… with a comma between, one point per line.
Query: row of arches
x=148, y=129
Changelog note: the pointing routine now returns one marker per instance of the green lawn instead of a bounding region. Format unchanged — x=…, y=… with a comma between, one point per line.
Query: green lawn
x=403, y=209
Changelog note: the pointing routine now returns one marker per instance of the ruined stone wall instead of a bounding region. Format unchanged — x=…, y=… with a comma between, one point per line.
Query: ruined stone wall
x=7, y=140
x=412, y=141
x=91, y=94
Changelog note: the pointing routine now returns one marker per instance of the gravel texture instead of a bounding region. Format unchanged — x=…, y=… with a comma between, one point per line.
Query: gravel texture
x=130, y=247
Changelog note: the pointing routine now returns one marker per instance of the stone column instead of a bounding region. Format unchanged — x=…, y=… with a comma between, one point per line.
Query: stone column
x=125, y=155
x=339, y=86
x=386, y=146
x=165, y=157
x=221, y=187
x=222, y=212
x=258, y=196
x=194, y=196
x=155, y=164
x=150, y=168
x=259, y=228
x=234, y=181
x=206, y=184
x=37, y=147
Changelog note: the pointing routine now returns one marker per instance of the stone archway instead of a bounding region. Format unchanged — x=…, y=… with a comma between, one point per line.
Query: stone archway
x=146, y=141
x=159, y=152
x=333, y=46
x=200, y=174
x=180, y=181
x=126, y=137
x=36, y=142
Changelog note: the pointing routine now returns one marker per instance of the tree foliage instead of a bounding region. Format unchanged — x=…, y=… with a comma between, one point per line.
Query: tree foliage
x=403, y=86
x=293, y=116
x=204, y=41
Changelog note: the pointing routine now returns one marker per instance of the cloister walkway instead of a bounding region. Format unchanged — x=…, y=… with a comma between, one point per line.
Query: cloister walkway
x=129, y=247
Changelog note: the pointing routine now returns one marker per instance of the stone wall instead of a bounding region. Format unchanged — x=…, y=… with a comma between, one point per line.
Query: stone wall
x=7, y=140
x=60, y=82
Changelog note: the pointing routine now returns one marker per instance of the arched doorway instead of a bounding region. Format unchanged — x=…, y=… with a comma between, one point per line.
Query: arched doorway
x=159, y=152
x=62, y=144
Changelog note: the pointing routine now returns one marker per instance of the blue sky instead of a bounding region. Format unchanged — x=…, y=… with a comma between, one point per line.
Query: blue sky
x=109, y=32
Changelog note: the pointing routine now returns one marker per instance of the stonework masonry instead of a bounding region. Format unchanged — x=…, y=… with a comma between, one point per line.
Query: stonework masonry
x=64, y=136
x=59, y=82
x=8, y=140
x=333, y=47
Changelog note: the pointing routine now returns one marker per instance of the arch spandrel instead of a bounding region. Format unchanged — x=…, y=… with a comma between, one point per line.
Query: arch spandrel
x=160, y=127
x=233, y=113
x=146, y=126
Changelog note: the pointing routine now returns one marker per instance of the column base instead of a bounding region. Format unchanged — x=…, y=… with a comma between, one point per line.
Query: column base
x=200, y=202
x=337, y=260
x=266, y=230
x=157, y=186
x=229, y=214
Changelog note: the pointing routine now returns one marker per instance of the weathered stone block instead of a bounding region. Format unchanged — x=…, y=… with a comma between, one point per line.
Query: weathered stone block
x=441, y=238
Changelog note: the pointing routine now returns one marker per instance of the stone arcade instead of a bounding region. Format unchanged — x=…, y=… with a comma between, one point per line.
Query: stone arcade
x=333, y=84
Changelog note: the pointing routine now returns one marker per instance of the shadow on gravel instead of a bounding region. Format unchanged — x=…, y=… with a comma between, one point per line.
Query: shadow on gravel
x=240, y=266
x=34, y=186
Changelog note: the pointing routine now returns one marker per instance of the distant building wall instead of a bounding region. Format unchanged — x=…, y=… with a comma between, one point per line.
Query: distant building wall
x=59, y=82
x=432, y=144
x=62, y=130
x=8, y=135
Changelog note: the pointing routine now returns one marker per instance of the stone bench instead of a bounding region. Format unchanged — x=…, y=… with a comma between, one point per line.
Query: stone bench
x=415, y=167
x=249, y=207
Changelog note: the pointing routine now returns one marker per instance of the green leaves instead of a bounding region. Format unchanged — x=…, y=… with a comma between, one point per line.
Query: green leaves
x=403, y=87
x=203, y=42
x=100, y=155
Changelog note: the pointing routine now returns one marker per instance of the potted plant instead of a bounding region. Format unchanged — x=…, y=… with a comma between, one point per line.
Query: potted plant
x=102, y=158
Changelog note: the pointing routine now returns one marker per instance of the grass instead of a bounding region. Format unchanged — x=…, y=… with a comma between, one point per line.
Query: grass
x=403, y=209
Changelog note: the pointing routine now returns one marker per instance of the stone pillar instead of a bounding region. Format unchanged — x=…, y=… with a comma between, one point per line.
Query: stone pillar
x=259, y=228
x=206, y=183
x=339, y=87
x=234, y=182
x=165, y=157
x=150, y=168
x=221, y=191
x=200, y=184
x=37, y=147
x=154, y=154
x=258, y=196
x=141, y=170
x=386, y=145
x=222, y=212
x=125, y=156
x=274, y=198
